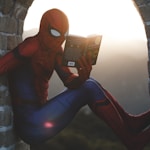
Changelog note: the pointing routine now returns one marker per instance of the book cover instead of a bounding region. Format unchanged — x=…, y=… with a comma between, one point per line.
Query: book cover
x=77, y=46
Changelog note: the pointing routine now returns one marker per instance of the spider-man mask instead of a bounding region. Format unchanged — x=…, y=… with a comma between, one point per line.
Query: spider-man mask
x=53, y=29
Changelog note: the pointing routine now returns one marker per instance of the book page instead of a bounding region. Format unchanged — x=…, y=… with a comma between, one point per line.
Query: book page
x=93, y=46
x=74, y=49
x=77, y=46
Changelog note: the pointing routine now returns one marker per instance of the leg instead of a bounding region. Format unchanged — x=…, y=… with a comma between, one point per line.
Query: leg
x=135, y=123
x=36, y=125
x=107, y=111
x=44, y=123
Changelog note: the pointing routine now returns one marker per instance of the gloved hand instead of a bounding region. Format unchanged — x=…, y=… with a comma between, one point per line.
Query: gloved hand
x=85, y=67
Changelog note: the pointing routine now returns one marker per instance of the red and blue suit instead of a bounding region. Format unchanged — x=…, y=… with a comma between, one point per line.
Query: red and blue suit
x=30, y=66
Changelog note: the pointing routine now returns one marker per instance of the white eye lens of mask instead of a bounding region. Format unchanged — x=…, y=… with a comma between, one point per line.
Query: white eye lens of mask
x=54, y=32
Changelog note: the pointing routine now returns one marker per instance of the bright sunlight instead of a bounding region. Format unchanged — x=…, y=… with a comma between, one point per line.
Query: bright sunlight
x=122, y=62
x=117, y=18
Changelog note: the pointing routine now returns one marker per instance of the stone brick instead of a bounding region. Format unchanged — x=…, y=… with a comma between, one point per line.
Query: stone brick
x=148, y=43
x=139, y=2
x=10, y=138
x=5, y=116
x=22, y=146
x=19, y=39
x=5, y=100
x=2, y=52
x=6, y=6
x=1, y=5
x=149, y=69
x=142, y=2
x=11, y=42
x=147, y=28
x=145, y=11
x=3, y=80
x=12, y=15
x=4, y=93
x=7, y=138
x=20, y=27
x=19, y=11
x=26, y=3
x=3, y=42
x=2, y=140
x=8, y=25
x=29, y=2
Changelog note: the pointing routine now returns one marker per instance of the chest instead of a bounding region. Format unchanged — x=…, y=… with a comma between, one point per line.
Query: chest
x=43, y=63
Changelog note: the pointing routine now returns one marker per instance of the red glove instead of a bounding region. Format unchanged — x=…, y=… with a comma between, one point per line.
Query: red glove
x=84, y=68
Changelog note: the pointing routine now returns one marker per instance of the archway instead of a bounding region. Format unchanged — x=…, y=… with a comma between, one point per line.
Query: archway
x=13, y=13
x=120, y=31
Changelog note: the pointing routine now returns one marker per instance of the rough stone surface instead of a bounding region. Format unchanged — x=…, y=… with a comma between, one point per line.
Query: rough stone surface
x=12, y=15
x=145, y=10
x=6, y=6
x=8, y=25
x=3, y=43
x=148, y=31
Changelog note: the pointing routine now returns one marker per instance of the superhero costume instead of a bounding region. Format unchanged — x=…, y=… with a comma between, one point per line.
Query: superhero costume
x=30, y=66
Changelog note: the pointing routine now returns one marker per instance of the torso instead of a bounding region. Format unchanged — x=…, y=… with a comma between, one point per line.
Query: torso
x=30, y=80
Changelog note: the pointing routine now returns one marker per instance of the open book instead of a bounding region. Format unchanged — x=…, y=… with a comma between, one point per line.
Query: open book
x=77, y=46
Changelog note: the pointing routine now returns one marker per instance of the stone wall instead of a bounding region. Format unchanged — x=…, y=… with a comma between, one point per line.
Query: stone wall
x=12, y=15
x=144, y=9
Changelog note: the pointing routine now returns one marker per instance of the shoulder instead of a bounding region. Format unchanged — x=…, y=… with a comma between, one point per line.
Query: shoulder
x=28, y=47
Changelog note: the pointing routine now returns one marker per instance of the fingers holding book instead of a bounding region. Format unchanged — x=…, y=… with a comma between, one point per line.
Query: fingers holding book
x=84, y=68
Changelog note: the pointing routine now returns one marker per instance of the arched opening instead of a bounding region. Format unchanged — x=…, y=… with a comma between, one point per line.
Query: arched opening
x=122, y=62
x=106, y=71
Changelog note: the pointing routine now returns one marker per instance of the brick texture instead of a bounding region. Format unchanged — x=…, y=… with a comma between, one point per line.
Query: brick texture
x=12, y=15
x=144, y=10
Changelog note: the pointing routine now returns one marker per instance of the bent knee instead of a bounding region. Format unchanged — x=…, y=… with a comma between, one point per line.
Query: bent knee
x=91, y=83
x=94, y=89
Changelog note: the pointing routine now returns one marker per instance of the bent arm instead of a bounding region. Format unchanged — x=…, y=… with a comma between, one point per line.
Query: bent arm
x=69, y=79
x=8, y=62
x=16, y=57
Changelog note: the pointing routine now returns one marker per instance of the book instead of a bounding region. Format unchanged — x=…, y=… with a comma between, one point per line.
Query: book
x=77, y=46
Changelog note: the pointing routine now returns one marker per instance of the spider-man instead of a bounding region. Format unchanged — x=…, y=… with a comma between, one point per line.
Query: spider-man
x=30, y=66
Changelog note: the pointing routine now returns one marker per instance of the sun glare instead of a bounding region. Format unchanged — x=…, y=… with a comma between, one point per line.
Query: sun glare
x=117, y=18
x=124, y=42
